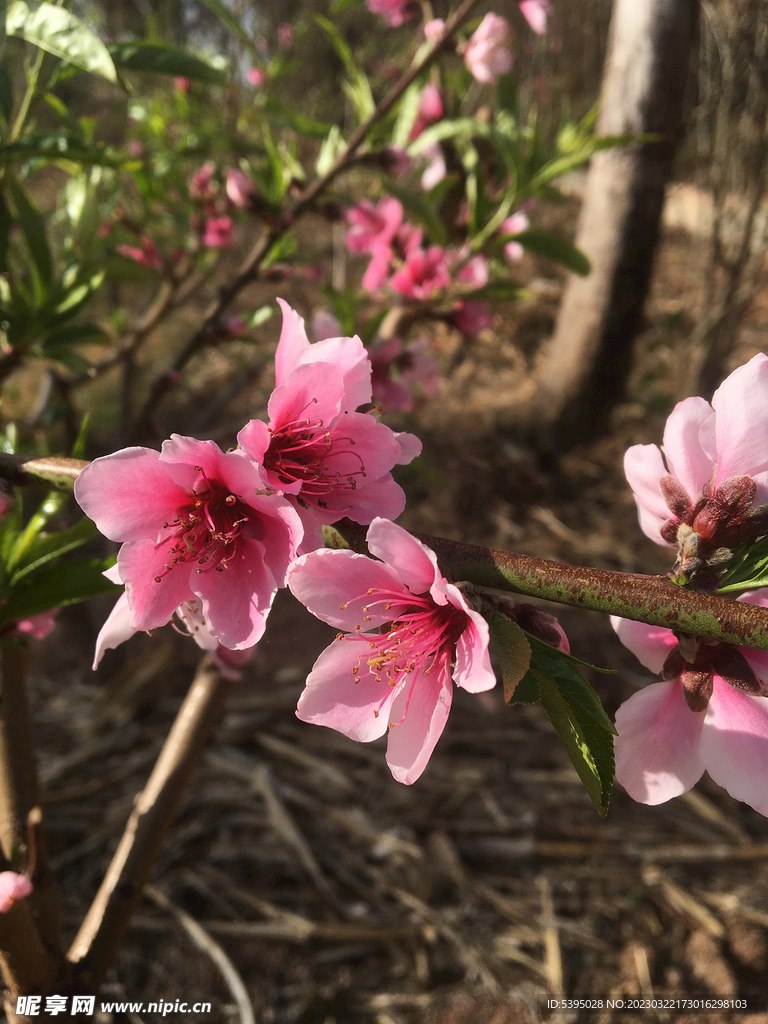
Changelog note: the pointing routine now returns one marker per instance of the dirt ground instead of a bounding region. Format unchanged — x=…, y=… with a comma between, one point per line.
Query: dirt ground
x=338, y=896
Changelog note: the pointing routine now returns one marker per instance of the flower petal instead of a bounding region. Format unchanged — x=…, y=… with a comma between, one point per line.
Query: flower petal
x=657, y=747
x=644, y=468
x=325, y=580
x=116, y=630
x=237, y=601
x=131, y=494
x=685, y=457
x=152, y=604
x=734, y=744
x=414, y=562
x=414, y=732
x=311, y=392
x=293, y=343
x=357, y=706
x=649, y=644
x=473, y=670
x=741, y=403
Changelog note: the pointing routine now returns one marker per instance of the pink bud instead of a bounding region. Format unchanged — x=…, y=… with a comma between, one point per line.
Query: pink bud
x=182, y=84
x=434, y=30
x=487, y=54
x=285, y=36
x=38, y=626
x=241, y=190
x=394, y=12
x=13, y=887
x=218, y=233
x=201, y=186
x=536, y=13
x=255, y=76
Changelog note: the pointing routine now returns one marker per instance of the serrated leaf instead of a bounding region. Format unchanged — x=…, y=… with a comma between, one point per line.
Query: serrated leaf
x=556, y=248
x=49, y=588
x=59, y=32
x=162, y=59
x=513, y=651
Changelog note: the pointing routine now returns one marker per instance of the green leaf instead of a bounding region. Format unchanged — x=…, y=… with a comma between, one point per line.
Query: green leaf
x=61, y=33
x=358, y=88
x=3, y=16
x=555, y=248
x=50, y=588
x=561, y=165
x=333, y=145
x=27, y=539
x=65, y=145
x=5, y=232
x=748, y=569
x=407, y=113
x=164, y=60
x=223, y=13
x=499, y=291
x=575, y=711
x=423, y=211
x=513, y=651
x=6, y=92
x=49, y=546
x=33, y=228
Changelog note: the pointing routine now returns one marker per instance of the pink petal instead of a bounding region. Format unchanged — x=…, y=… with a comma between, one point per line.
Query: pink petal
x=649, y=644
x=254, y=439
x=734, y=744
x=152, y=604
x=129, y=495
x=410, y=447
x=535, y=13
x=383, y=497
x=324, y=580
x=293, y=343
x=412, y=561
x=350, y=358
x=115, y=631
x=417, y=720
x=237, y=601
x=685, y=457
x=644, y=468
x=741, y=404
x=657, y=747
x=473, y=670
x=13, y=887
x=312, y=391
x=357, y=706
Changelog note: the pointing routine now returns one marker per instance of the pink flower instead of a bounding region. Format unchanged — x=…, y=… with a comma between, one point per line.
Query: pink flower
x=373, y=226
x=37, y=626
x=329, y=460
x=536, y=13
x=713, y=474
x=397, y=681
x=400, y=371
x=218, y=232
x=473, y=316
x=182, y=84
x=514, y=225
x=434, y=30
x=241, y=190
x=430, y=109
x=196, y=523
x=394, y=12
x=201, y=186
x=255, y=76
x=487, y=54
x=284, y=36
x=436, y=169
x=475, y=270
x=378, y=269
x=147, y=254
x=424, y=272
x=710, y=713
x=13, y=887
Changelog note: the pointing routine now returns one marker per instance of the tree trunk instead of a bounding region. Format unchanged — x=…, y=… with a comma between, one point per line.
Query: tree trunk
x=587, y=360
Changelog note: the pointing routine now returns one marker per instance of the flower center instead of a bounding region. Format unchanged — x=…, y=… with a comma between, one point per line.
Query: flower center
x=420, y=637
x=207, y=531
x=301, y=449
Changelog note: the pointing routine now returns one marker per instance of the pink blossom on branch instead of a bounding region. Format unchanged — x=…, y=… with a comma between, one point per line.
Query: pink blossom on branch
x=218, y=232
x=195, y=523
x=536, y=13
x=373, y=226
x=424, y=272
x=394, y=12
x=255, y=76
x=368, y=683
x=241, y=190
x=13, y=887
x=329, y=460
x=710, y=713
x=711, y=475
x=434, y=30
x=201, y=185
x=514, y=225
x=487, y=54
x=147, y=254
x=430, y=109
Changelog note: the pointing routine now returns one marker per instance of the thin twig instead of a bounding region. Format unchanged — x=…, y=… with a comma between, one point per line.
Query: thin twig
x=108, y=918
x=250, y=267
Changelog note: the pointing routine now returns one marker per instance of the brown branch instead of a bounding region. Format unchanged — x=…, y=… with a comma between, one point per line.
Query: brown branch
x=249, y=269
x=108, y=918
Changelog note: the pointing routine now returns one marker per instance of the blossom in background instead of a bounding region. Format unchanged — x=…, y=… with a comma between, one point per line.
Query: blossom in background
x=514, y=225
x=436, y=168
x=394, y=12
x=195, y=523
x=324, y=325
x=201, y=184
x=424, y=272
x=434, y=30
x=487, y=54
x=13, y=887
x=711, y=476
x=241, y=190
x=255, y=76
x=400, y=372
x=329, y=460
x=472, y=316
x=536, y=13
x=396, y=161
x=710, y=713
x=284, y=36
x=218, y=232
x=182, y=84
x=407, y=239
x=147, y=254
x=373, y=225
x=37, y=626
x=368, y=683
x=429, y=110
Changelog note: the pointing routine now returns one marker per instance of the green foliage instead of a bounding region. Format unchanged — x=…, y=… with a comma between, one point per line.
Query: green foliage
x=748, y=569
x=61, y=33
x=164, y=60
x=513, y=651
